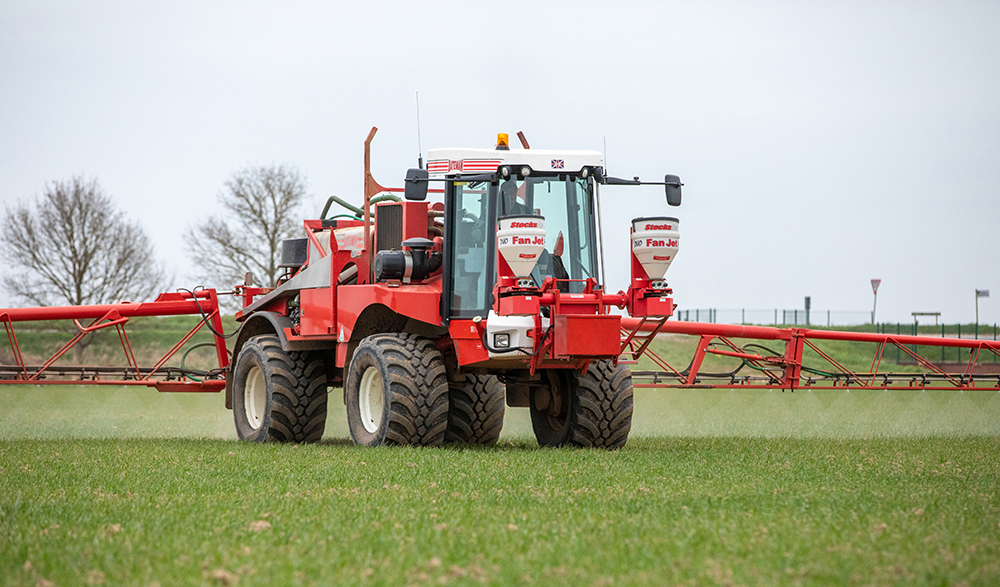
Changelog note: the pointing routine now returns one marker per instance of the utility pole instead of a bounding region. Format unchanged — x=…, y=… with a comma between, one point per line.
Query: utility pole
x=875, y=284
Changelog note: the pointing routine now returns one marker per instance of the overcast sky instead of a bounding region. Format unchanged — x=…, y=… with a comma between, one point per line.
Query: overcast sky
x=821, y=144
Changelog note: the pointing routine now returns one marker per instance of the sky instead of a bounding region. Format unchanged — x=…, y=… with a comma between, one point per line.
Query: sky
x=821, y=144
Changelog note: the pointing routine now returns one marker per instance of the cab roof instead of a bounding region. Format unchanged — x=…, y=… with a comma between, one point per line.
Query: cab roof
x=453, y=161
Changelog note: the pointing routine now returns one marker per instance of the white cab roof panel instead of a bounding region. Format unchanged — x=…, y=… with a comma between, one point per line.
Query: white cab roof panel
x=453, y=161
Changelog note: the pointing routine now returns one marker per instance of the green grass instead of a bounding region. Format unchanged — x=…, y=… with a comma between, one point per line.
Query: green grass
x=715, y=487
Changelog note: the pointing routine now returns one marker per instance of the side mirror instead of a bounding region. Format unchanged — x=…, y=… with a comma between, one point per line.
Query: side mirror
x=672, y=185
x=416, y=184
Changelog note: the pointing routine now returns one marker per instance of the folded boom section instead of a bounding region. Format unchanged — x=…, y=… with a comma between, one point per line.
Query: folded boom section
x=202, y=302
x=761, y=357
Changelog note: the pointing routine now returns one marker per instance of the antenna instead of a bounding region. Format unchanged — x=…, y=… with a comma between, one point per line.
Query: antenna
x=605, y=154
x=420, y=152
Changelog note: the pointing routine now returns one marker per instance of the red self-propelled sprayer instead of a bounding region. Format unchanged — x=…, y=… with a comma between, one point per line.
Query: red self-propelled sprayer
x=434, y=316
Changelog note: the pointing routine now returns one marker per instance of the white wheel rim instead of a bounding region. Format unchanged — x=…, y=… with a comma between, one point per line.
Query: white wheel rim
x=255, y=397
x=371, y=400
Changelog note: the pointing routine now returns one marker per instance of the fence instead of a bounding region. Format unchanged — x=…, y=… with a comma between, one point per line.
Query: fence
x=775, y=317
x=948, y=354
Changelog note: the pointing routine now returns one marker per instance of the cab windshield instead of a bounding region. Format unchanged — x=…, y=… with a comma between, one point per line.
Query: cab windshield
x=570, y=250
x=565, y=203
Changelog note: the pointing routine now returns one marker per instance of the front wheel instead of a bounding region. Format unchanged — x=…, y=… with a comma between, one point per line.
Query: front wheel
x=397, y=392
x=278, y=395
x=589, y=410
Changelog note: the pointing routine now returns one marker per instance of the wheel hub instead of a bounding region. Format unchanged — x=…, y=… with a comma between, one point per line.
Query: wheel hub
x=255, y=397
x=371, y=399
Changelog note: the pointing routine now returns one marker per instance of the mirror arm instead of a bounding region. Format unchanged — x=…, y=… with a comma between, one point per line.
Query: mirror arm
x=618, y=181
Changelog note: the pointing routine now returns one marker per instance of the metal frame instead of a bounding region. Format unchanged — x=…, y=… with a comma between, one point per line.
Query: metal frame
x=203, y=302
x=788, y=371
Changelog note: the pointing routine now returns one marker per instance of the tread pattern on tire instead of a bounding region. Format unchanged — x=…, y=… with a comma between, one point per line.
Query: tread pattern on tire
x=418, y=388
x=299, y=396
x=603, y=407
x=476, y=409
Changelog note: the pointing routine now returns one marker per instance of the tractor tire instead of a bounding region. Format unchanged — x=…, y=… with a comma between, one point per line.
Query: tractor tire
x=278, y=396
x=589, y=410
x=475, y=410
x=397, y=392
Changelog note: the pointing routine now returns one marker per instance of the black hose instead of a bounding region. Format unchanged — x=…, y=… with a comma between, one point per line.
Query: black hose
x=701, y=373
x=204, y=317
x=804, y=368
x=188, y=352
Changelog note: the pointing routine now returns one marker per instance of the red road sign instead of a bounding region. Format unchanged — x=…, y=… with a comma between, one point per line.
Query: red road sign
x=875, y=284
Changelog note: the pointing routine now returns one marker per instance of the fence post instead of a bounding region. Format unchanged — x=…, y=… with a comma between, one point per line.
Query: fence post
x=828, y=318
x=743, y=316
x=958, y=351
x=775, y=316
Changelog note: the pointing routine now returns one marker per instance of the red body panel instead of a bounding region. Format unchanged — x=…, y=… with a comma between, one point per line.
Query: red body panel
x=317, y=311
x=468, y=342
x=420, y=301
x=513, y=305
x=652, y=306
x=586, y=336
x=414, y=220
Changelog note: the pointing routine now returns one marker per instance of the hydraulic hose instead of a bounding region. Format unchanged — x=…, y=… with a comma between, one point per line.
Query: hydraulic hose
x=385, y=197
x=774, y=353
x=204, y=316
x=187, y=352
x=357, y=211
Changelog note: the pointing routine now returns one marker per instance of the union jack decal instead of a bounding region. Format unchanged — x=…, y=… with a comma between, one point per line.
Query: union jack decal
x=557, y=164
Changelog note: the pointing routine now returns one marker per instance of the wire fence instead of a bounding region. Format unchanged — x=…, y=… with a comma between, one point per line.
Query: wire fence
x=947, y=354
x=775, y=317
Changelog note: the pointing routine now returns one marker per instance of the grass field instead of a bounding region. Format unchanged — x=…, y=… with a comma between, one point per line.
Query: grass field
x=128, y=487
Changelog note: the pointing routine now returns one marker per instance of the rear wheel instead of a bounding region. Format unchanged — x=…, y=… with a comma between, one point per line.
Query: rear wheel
x=278, y=395
x=589, y=410
x=397, y=392
x=475, y=410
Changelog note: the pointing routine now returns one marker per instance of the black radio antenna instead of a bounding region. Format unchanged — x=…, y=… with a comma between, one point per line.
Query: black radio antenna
x=420, y=152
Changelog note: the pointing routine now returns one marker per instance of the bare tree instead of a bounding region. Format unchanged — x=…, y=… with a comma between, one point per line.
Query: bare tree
x=262, y=205
x=73, y=246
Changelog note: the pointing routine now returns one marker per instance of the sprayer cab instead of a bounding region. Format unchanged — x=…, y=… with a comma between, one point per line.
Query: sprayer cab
x=521, y=222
